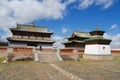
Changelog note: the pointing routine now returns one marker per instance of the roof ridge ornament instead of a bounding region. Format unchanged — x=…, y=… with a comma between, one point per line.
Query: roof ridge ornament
x=17, y=25
x=33, y=23
x=96, y=27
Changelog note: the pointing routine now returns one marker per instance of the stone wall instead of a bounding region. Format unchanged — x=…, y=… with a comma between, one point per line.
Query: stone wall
x=81, y=52
x=70, y=54
x=3, y=49
x=17, y=50
x=23, y=51
x=71, y=51
x=115, y=51
x=66, y=51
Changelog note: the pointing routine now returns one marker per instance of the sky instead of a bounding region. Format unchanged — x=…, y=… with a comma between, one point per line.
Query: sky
x=63, y=17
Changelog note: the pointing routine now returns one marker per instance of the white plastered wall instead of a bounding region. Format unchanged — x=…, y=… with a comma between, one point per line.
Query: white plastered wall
x=97, y=49
x=17, y=44
x=46, y=45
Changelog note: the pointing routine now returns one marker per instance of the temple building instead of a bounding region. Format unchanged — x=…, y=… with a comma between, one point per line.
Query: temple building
x=76, y=40
x=97, y=47
x=91, y=45
x=31, y=35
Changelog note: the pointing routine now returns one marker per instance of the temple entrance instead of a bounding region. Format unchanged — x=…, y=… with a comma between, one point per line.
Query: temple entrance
x=31, y=44
x=40, y=47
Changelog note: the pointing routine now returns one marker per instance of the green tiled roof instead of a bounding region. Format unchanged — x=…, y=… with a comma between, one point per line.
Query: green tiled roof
x=97, y=31
x=32, y=28
x=29, y=40
x=81, y=34
x=68, y=37
x=73, y=41
x=97, y=38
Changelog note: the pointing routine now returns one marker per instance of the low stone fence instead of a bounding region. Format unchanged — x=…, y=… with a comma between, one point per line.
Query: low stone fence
x=71, y=51
x=23, y=51
x=66, y=51
x=3, y=49
x=81, y=52
x=71, y=54
x=115, y=51
x=67, y=54
x=17, y=51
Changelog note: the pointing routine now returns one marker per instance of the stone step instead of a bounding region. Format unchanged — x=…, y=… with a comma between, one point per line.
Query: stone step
x=48, y=57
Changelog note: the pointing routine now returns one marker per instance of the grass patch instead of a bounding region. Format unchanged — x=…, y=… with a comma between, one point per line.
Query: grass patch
x=88, y=60
x=2, y=59
x=3, y=66
x=116, y=58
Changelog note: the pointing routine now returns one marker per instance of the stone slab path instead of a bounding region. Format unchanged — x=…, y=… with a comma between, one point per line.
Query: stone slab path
x=35, y=71
x=69, y=75
x=67, y=70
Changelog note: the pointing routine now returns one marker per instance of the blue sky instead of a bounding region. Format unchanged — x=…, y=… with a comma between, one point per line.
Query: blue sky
x=63, y=16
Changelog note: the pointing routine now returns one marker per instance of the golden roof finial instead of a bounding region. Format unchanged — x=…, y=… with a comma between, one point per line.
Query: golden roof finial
x=33, y=23
x=17, y=24
x=96, y=27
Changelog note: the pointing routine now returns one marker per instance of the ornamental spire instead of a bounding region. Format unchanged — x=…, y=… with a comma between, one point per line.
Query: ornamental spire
x=17, y=25
x=96, y=27
x=33, y=23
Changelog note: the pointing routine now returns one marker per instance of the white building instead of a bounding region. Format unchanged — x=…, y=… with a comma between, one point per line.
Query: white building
x=97, y=47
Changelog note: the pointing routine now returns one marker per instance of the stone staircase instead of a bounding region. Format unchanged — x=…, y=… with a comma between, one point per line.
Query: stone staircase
x=48, y=57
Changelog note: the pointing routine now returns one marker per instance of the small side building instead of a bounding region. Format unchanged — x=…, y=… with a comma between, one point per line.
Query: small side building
x=97, y=47
x=76, y=40
x=75, y=44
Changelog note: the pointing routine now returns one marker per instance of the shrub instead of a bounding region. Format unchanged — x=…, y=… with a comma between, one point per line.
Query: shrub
x=28, y=58
x=10, y=56
x=66, y=57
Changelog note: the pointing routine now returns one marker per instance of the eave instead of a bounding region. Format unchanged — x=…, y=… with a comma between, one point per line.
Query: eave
x=29, y=40
x=16, y=30
x=73, y=41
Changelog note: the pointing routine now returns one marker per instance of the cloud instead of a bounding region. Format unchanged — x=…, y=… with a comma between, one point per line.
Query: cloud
x=25, y=11
x=115, y=40
x=83, y=4
x=113, y=26
x=70, y=1
x=58, y=42
x=64, y=30
x=29, y=10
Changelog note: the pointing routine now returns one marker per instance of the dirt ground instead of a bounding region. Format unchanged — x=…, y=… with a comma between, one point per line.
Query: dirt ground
x=83, y=69
x=102, y=70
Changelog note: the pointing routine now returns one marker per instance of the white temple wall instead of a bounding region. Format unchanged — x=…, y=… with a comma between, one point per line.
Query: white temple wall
x=46, y=45
x=18, y=44
x=25, y=44
x=97, y=49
